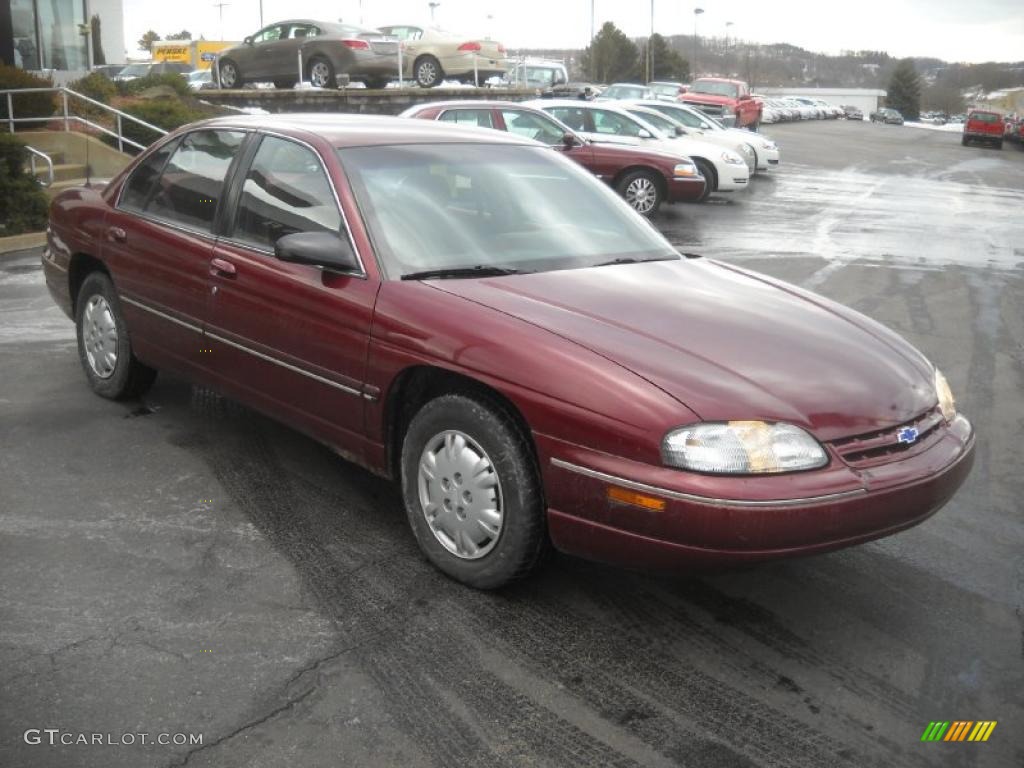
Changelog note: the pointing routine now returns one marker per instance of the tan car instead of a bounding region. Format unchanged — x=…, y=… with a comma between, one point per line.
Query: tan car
x=431, y=55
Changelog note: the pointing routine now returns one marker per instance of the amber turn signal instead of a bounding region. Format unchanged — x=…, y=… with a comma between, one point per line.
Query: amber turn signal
x=624, y=496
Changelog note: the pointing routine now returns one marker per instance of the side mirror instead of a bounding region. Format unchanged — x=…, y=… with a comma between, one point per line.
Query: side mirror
x=745, y=97
x=570, y=140
x=319, y=249
x=680, y=131
x=645, y=134
x=248, y=40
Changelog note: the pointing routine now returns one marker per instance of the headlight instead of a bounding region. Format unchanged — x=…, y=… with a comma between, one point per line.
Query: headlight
x=769, y=145
x=686, y=170
x=947, y=404
x=732, y=158
x=742, y=448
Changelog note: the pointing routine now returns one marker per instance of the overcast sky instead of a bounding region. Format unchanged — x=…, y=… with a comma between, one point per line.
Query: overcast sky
x=955, y=30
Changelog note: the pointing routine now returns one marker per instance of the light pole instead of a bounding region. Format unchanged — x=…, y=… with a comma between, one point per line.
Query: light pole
x=696, y=12
x=650, y=50
x=261, y=14
x=591, y=19
x=432, y=5
x=727, y=25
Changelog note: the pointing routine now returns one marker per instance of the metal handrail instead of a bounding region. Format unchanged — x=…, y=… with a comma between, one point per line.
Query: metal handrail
x=33, y=154
x=68, y=118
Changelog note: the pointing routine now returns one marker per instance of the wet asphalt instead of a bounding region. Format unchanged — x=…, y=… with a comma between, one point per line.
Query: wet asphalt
x=182, y=565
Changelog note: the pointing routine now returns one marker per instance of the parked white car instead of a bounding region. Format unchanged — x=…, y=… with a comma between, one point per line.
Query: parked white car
x=723, y=169
x=677, y=130
x=765, y=151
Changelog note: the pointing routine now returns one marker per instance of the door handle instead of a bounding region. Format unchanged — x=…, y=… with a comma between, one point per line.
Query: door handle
x=116, y=235
x=222, y=267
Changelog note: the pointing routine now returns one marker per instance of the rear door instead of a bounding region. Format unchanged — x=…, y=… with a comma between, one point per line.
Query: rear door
x=291, y=339
x=160, y=239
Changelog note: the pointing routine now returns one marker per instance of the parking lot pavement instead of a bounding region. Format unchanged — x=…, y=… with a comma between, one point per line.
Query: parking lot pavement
x=182, y=565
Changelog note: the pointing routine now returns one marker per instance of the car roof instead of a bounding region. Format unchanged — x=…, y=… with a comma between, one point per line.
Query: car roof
x=366, y=130
x=475, y=103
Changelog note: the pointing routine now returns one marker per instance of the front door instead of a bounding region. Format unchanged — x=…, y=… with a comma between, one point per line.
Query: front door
x=291, y=339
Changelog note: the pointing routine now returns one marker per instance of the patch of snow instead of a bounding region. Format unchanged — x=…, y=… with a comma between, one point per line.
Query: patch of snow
x=947, y=128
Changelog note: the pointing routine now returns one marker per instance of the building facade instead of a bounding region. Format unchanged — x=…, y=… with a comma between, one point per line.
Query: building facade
x=56, y=34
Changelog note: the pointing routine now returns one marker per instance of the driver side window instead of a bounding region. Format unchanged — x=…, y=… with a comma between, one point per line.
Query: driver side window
x=268, y=35
x=611, y=123
x=532, y=127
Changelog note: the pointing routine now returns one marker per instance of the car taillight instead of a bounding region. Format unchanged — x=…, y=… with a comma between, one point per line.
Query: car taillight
x=473, y=46
x=355, y=44
x=501, y=49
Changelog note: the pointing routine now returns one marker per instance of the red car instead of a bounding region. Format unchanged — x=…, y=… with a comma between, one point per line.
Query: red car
x=729, y=99
x=983, y=125
x=478, y=318
x=644, y=178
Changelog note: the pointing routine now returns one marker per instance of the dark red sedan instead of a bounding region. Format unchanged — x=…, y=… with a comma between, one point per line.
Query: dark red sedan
x=477, y=317
x=644, y=178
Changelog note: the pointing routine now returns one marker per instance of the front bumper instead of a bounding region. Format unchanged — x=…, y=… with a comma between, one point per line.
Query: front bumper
x=767, y=157
x=685, y=190
x=715, y=520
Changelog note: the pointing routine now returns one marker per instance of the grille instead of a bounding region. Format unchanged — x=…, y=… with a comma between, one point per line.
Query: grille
x=881, y=446
x=708, y=109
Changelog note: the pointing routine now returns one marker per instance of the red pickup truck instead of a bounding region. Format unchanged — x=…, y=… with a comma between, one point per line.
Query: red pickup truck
x=728, y=99
x=983, y=125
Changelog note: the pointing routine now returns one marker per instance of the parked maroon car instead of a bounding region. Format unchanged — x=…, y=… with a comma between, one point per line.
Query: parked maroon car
x=644, y=178
x=478, y=318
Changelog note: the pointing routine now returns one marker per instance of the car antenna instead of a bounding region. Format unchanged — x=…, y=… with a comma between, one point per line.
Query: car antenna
x=88, y=169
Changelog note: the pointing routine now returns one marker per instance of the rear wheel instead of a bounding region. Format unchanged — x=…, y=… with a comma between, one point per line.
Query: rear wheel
x=104, y=347
x=641, y=190
x=472, y=492
x=963, y=141
x=428, y=72
x=999, y=144
x=321, y=73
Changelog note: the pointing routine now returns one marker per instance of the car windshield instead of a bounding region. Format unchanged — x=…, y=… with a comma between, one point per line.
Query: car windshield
x=491, y=206
x=715, y=88
x=664, y=89
x=625, y=92
x=659, y=121
x=984, y=117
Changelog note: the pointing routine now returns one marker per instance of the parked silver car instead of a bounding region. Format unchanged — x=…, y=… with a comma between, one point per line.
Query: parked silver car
x=329, y=50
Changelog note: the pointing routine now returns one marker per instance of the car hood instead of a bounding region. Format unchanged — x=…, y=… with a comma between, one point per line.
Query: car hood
x=707, y=98
x=726, y=343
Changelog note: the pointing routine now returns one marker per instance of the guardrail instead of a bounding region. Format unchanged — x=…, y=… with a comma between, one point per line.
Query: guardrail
x=33, y=153
x=68, y=118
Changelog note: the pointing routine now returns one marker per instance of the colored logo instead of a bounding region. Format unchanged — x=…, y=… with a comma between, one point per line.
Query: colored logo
x=907, y=435
x=959, y=730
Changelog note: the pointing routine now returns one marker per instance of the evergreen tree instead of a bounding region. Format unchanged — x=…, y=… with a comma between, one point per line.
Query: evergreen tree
x=904, y=93
x=183, y=35
x=611, y=56
x=668, y=64
x=97, y=41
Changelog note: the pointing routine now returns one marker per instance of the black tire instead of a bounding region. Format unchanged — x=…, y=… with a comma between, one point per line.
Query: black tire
x=229, y=75
x=754, y=126
x=522, y=541
x=284, y=84
x=646, y=191
x=320, y=73
x=999, y=144
x=129, y=377
x=963, y=141
x=427, y=71
x=707, y=170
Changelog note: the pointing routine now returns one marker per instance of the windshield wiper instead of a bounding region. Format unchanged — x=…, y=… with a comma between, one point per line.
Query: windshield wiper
x=475, y=270
x=632, y=260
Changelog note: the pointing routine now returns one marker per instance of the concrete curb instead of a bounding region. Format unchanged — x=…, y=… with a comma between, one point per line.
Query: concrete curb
x=22, y=242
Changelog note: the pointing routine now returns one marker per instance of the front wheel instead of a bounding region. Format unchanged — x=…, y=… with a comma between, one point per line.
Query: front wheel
x=710, y=179
x=230, y=74
x=754, y=126
x=321, y=73
x=963, y=141
x=641, y=190
x=472, y=492
x=103, y=344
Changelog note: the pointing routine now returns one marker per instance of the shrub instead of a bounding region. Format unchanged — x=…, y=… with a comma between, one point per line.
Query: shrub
x=163, y=113
x=172, y=79
x=21, y=198
x=28, y=104
x=95, y=86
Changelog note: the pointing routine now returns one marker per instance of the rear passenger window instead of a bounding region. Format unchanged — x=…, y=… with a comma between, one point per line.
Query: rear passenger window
x=142, y=182
x=285, y=191
x=573, y=117
x=477, y=117
x=192, y=182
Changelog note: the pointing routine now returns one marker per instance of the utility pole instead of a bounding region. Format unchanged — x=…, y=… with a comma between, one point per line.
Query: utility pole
x=433, y=4
x=696, y=12
x=261, y=14
x=650, y=50
x=220, y=9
